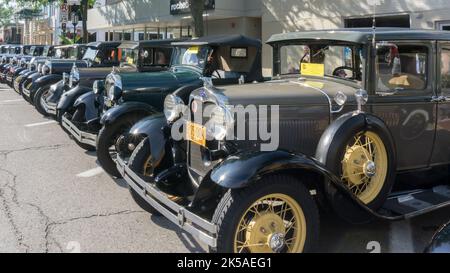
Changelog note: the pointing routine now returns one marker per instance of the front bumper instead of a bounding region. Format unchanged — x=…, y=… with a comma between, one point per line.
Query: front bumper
x=49, y=107
x=195, y=225
x=80, y=136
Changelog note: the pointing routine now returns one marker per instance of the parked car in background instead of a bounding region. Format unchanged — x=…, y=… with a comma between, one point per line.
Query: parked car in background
x=347, y=113
x=66, y=52
x=22, y=62
x=8, y=59
x=137, y=57
x=129, y=97
x=97, y=54
x=30, y=67
x=133, y=57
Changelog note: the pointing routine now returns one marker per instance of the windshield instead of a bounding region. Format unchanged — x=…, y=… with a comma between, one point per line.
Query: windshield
x=46, y=51
x=128, y=56
x=90, y=54
x=27, y=50
x=3, y=49
x=193, y=56
x=338, y=61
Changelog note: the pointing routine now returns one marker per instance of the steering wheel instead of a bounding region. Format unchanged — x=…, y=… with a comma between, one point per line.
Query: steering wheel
x=335, y=71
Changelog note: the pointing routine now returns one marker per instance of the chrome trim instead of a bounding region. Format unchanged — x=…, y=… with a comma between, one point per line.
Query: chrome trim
x=49, y=107
x=198, y=227
x=80, y=136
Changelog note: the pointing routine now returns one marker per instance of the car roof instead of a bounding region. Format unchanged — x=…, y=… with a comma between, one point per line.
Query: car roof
x=362, y=35
x=66, y=46
x=97, y=44
x=222, y=40
x=156, y=43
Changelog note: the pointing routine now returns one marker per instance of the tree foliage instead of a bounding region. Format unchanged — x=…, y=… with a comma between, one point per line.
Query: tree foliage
x=6, y=14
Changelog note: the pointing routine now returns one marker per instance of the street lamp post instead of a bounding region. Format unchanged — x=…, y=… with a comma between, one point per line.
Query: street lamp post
x=74, y=23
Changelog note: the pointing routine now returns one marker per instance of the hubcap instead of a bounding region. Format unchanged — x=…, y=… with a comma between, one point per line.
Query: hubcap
x=364, y=166
x=272, y=224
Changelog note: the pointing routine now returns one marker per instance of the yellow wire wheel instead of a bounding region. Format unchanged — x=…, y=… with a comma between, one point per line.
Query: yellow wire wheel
x=365, y=166
x=274, y=223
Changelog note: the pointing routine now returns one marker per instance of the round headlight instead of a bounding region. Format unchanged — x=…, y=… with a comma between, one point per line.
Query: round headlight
x=220, y=122
x=99, y=87
x=114, y=93
x=340, y=98
x=173, y=107
x=46, y=69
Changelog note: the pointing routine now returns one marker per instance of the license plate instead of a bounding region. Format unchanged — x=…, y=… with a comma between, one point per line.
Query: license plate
x=196, y=133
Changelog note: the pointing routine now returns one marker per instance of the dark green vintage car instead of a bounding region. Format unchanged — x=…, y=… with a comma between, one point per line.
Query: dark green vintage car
x=127, y=97
x=349, y=116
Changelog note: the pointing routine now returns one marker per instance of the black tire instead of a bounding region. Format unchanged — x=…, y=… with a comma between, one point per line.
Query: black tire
x=108, y=136
x=235, y=203
x=338, y=149
x=37, y=101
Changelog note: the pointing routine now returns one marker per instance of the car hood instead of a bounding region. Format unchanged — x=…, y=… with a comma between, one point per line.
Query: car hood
x=164, y=79
x=287, y=92
x=97, y=72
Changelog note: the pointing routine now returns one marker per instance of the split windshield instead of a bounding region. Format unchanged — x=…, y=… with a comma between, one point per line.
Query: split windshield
x=129, y=56
x=90, y=54
x=195, y=56
x=320, y=60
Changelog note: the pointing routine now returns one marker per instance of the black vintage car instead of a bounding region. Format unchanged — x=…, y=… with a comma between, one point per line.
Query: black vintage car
x=24, y=60
x=66, y=52
x=10, y=60
x=97, y=54
x=128, y=97
x=29, y=66
x=84, y=106
x=143, y=56
x=345, y=115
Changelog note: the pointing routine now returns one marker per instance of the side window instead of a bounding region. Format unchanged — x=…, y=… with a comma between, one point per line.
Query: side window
x=162, y=56
x=445, y=69
x=110, y=55
x=401, y=67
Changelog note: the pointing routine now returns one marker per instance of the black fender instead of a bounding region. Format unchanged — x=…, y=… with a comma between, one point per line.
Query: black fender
x=68, y=98
x=329, y=149
x=56, y=91
x=87, y=103
x=126, y=108
x=247, y=168
x=43, y=82
x=153, y=127
x=440, y=243
x=185, y=91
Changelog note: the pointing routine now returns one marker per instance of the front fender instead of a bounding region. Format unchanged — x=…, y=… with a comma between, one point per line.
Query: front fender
x=247, y=168
x=243, y=169
x=68, y=98
x=126, y=108
x=55, y=92
x=43, y=81
x=90, y=107
x=153, y=128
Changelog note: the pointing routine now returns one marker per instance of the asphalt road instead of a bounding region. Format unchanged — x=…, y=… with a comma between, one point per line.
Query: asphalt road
x=55, y=198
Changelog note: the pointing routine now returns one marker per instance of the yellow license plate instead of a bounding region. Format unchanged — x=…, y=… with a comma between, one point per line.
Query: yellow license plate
x=196, y=133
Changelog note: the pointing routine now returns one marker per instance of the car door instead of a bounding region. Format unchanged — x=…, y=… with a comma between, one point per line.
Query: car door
x=405, y=98
x=441, y=152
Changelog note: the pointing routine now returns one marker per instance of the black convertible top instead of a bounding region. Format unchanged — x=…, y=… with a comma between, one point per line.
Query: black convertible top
x=148, y=43
x=223, y=40
x=362, y=35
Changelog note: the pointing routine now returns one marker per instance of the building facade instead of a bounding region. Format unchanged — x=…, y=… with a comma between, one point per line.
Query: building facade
x=150, y=19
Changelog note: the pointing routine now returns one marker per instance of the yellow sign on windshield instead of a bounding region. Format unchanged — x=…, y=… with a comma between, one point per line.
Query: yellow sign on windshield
x=317, y=70
x=193, y=50
x=130, y=60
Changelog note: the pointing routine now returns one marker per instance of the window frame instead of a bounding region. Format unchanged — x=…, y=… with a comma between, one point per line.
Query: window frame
x=429, y=89
x=441, y=46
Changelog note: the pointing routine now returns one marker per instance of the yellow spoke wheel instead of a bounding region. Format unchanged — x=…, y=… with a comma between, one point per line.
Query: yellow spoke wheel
x=274, y=223
x=365, y=166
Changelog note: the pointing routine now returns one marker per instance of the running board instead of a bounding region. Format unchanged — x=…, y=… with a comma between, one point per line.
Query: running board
x=411, y=204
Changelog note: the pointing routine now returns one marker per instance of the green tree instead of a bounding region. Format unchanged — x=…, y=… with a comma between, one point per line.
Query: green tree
x=6, y=14
x=197, y=9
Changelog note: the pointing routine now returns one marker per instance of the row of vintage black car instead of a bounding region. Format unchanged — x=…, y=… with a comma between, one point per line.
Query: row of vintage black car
x=124, y=99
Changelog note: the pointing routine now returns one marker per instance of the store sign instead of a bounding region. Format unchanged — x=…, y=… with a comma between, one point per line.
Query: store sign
x=183, y=6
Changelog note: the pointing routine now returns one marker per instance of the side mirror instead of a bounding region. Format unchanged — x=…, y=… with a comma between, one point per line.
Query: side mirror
x=441, y=241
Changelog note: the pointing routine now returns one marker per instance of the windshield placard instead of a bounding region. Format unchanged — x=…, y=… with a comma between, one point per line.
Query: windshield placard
x=311, y=69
